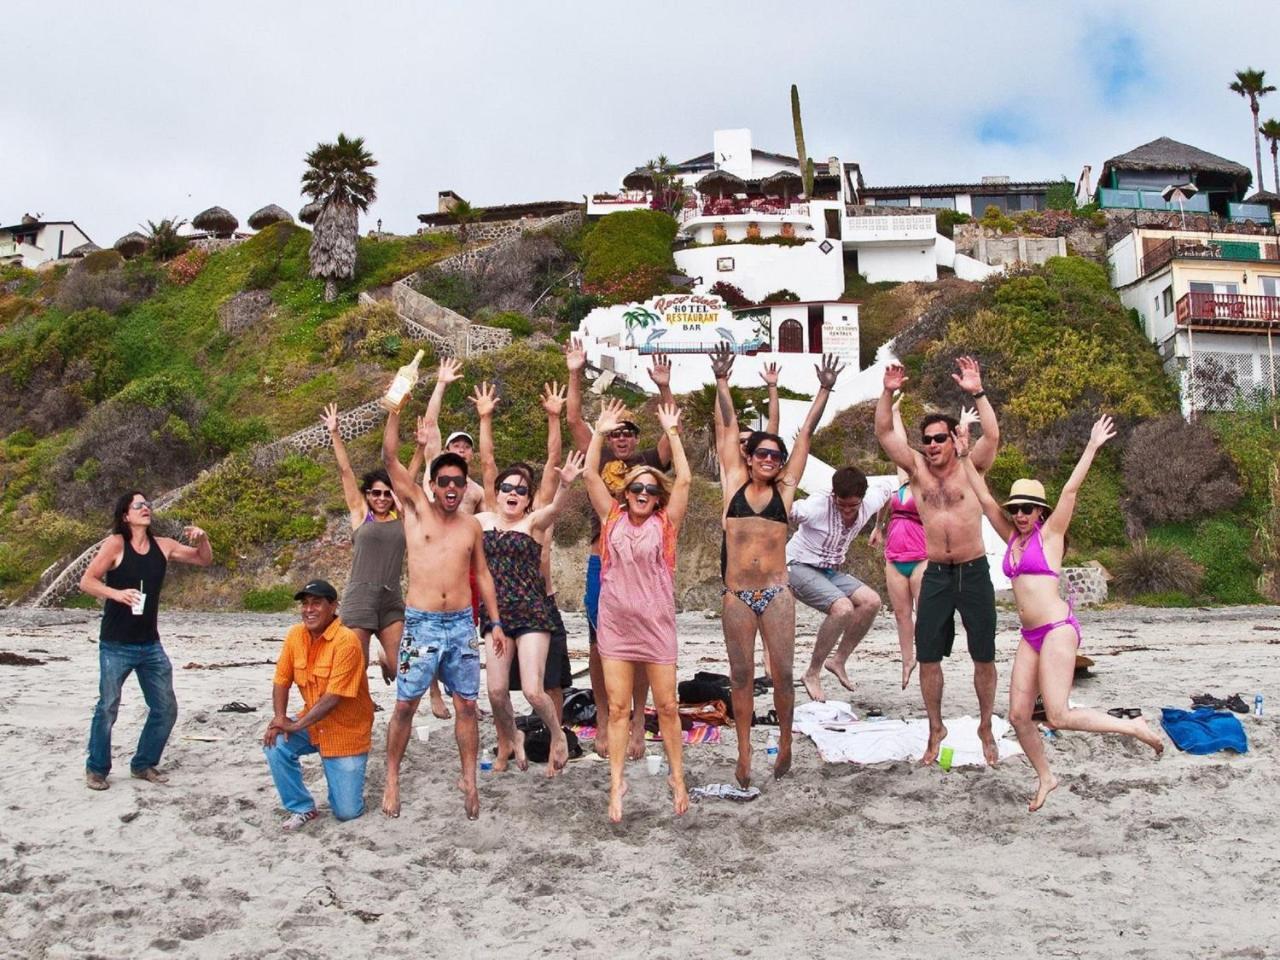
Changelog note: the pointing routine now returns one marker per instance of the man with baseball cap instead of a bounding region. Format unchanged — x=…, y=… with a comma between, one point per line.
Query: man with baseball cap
x=324, y=659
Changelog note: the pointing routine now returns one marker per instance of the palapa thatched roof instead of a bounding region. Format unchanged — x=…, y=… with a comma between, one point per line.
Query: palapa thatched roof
x=271, y=213
x=782, y=183
x=1266, y=197
x=1166, y=154
x=721, y=181
x=217, y=220
x=84, y=249
x=131, y=244
x=311, y=212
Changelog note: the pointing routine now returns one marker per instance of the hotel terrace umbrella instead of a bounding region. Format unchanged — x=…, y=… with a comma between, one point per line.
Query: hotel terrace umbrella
x=219, y=221
x=131, y=244
x=310, y=212
x=1180, y=193
x=268, y=215
x=720, y=181
x=783, y=184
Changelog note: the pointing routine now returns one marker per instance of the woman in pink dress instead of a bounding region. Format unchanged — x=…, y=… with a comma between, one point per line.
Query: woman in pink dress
x=636, y=624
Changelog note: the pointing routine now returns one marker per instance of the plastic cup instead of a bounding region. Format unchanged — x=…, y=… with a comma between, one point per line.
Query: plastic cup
x=423, y=732
x=654, y=764
x=139, y=605
x=945, y=758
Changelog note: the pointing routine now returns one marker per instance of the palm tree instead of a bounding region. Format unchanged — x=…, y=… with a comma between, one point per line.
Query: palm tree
x=464, y=214
x=1271, y=130
x=1252, y=84
x=338, y=178
x=163, y=239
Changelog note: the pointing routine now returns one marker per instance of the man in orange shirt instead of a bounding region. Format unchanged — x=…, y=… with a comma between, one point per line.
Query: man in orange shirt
x=325, y=660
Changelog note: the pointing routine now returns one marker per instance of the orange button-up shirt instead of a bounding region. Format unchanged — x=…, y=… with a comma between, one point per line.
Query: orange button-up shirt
x=332, y=664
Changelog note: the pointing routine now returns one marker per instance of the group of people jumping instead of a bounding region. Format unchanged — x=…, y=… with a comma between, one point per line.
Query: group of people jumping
x=479, y=570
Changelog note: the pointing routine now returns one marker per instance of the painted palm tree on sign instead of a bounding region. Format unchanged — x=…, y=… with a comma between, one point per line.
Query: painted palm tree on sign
x=338, y=178
x=1271, y=130
x=1252, y=84
x=639, y=317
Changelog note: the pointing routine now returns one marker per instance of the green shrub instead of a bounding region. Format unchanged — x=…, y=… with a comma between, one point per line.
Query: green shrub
x=371, y=331
x=575, y=306
x=947, y=220
x=1061, y=195
x=627, y=256
x=1170, y=598
x=1248, y=438
x=1223, y=548
x=512, y=320
x=781, y=296
x=1149, y=566
x=993, y=219
x=269, y=599
x=455, y=291
x=222, y=433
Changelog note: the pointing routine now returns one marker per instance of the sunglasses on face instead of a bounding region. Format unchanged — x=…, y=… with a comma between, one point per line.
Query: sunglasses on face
x=140, y=505
x=621, y=434
x=444, y=483
x=763, y=453
x=1020, y=508
x=379, y=493
x=516, y=488
x=652, y=489
x=931, y=438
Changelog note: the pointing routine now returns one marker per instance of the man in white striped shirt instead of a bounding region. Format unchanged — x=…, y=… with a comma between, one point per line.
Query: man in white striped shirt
x=828, y=522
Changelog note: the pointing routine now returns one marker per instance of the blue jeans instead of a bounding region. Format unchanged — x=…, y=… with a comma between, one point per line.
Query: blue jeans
x=155, y=676
x=438, y=644
x=344, y=775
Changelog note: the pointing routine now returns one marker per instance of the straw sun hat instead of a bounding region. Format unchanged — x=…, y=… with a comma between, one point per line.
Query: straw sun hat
x=1028, y=491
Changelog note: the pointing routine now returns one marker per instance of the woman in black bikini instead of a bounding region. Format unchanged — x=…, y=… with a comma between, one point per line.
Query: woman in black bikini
x=756, y=598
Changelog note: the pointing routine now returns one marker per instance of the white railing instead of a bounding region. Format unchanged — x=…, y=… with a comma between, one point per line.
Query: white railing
x=906, y=227
x=795, y=211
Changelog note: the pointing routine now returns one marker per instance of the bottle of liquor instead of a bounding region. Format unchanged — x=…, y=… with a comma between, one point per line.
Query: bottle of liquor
x=406, y=377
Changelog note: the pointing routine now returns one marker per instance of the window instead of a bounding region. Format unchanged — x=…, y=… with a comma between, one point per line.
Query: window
x=1156, y=308
x=938, y=203
x=1270, y=286
x=1168, y=300
x=893, y=202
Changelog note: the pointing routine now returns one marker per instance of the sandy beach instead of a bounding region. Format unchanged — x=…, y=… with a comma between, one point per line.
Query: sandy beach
x=1131, y=857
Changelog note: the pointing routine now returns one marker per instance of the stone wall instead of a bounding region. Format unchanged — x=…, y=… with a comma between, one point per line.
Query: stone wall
x=244, y=310
x=993, y=247
x=497, y=236
x=1083, y=586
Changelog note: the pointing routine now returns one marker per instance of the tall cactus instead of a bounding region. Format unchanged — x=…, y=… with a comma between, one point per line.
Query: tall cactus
x=806, y=168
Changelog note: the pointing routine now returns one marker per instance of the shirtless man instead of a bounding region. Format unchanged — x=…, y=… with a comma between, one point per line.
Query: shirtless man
x=443, y=544
x=957, y=576
x=620, y=455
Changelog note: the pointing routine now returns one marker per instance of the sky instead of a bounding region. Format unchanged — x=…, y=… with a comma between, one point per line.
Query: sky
x=115, y=114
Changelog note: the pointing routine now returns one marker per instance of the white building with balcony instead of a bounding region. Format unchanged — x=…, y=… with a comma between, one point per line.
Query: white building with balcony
x=33, y=242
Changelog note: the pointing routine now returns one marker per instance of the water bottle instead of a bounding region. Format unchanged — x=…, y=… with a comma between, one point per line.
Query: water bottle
x=1257, y=705
x=771, y=748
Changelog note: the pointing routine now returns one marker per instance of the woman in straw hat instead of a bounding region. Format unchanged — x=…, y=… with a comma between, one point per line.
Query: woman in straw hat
x=1046, y=659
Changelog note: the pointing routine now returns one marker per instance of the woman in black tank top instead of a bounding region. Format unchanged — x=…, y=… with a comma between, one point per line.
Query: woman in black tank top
x=127, y=574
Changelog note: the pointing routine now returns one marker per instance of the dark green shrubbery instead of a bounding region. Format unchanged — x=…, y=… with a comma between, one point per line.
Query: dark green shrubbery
x=947, y=220
x=1154, y=568
x=517, y=323
x=627, y=256
x=269, y=599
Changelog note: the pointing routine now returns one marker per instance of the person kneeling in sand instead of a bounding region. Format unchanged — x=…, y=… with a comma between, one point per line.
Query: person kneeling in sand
x=1046, y=659
x=326, y=661
x=443, y=544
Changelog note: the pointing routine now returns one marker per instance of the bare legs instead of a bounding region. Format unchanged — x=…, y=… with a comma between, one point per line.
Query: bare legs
x=777, y=627
x=497, y=672
x=662, y=678
x=903, y=594
x=465, y=731
x=1051, y=673
x=619, y=676
x=397, y=740
x=931, y=692
x=854, y=615
x=389, y=638
x=531, y=648
x=600, y=693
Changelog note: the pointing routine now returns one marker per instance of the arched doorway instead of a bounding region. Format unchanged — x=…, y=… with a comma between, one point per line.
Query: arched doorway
x=791, y=337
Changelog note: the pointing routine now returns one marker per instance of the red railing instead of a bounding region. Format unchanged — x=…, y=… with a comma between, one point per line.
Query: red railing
x=1228, y=310
x=1230, y=247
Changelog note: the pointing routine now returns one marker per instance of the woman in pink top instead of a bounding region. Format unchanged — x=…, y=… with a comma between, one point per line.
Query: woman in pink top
x=636, y=623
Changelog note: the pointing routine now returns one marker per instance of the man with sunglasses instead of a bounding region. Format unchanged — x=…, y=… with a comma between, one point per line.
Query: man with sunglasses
x=957, y=577
x=443, y=544
x=619, y=456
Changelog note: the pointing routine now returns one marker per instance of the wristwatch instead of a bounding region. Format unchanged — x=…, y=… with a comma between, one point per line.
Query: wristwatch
x=979, y=395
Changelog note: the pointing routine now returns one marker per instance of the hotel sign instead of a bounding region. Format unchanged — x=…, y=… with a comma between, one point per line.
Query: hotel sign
x=687, y=311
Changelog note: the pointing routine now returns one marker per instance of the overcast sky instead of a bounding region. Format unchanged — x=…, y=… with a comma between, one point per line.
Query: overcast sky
x=118, y=113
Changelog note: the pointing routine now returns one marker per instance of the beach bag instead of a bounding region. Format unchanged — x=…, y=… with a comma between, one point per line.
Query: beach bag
x=579, y=707
x=704, y=688
x=537, y=743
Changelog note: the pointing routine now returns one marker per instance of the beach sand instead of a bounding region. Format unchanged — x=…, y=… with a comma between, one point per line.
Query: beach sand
x=1132, y=857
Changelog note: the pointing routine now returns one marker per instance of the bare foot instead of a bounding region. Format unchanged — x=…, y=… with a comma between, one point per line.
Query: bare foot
x=907, y=670
x=521, y=760
x=1148, y=736
x=502, y=756
x=391, y=798
x=615, y=802
x=635, y=748
x=813, y=687
x=601, y=744
x=743, y=771
x=934, y=745
x=679, y=796
x=470, y=798
x=1042, y=793
x=559, y=755
x=439, y=709
x=837, y=670
x=782, y=765
x=990, y=752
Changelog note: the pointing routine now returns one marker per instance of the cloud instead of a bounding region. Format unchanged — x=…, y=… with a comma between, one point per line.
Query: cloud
x=1009, y=127
x=1117, y=62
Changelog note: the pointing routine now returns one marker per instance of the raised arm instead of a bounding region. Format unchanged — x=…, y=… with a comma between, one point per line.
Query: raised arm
x=553, y=397
x=900, y=430
x=350, y=489
x=545, y=516
x=899, y=451
x=485, y=399
x=197, y=551
x=770, y=377
x=678, y=502
x=828, y=371
x=660, y=374
x=611, y=416
x=449, y=371
x=575, y=359
x=402, y=483
x=732, y=469
x=969, y=379
x=1060, y=519
x=990, y=508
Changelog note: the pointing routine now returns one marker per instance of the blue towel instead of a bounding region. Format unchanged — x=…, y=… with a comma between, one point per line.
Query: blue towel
x=1204, y=730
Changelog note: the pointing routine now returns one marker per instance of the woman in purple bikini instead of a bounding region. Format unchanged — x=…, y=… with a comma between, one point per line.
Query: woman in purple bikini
x=1046, y=659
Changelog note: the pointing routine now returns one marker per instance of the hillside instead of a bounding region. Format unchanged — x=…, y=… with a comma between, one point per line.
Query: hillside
x=116, y=375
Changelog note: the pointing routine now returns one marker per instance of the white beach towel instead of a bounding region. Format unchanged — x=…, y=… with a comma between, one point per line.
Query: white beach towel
x=878, y=741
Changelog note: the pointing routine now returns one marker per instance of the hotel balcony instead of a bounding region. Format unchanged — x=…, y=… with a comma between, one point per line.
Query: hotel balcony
x=906, y=227
x=603, y=203
x=1259, y=249
x=736, y=216
x=1113, y=199
x=1229, y=312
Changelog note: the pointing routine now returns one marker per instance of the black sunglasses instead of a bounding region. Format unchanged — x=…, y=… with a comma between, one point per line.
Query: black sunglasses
x=765, y=453
x=451, y=481
x=140, y=505
x=1027, y=508
x=519, y=488
x=378, y=493
x=652, y=489
x=930, y=438
x=622, y=432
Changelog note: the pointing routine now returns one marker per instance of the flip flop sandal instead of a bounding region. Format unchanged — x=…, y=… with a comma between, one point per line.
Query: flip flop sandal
x=1236, y=704
x=237, y=706
x=1123, y=712
x=1208, y=700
